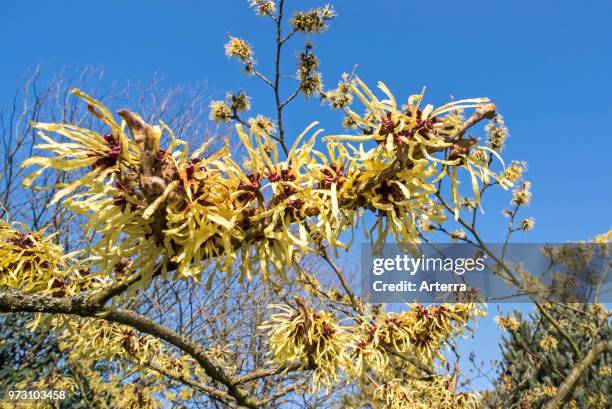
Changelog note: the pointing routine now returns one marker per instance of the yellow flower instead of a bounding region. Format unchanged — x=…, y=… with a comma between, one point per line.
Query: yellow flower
x=311, y=82
x=341, y=97
x=348, y=123
x=238, y=48
x=458, y=235
x=527, y=224
x=262, y=124
x=139, y=397
x=90, y=338
x=605, y=371
x=514, y=171
x=263, y=7
x=548, y=343
x=103, y=155
x=510, y=323
x=312, y=21
x=185, y=394
x=419, y=134
x=597, y=401
x=439, y=392
x=29, y=261
x=497, y=133
x=421, y=332
x=238, y=102
x=220, y=111
x=521, y=195
x=311, y=339
x=426, y=226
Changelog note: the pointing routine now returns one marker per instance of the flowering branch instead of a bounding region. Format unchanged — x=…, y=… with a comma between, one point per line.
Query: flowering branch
x=16, y=301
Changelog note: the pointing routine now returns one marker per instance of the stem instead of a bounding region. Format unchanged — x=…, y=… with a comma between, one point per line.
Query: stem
x=261, y=76
x=208, y=390
x=510, y=229
x=341, y=278
x=279, y=105
x=291, y=97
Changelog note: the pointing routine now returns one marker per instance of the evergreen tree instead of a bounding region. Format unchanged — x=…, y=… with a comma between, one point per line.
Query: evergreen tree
x=537, y=359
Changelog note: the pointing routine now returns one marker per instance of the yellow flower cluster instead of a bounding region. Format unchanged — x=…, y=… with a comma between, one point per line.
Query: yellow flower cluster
x=140, y=397
x=312, y=340
x=413, y=133
x=522, y=194
x=579, y=256
x=341, y=97
x=263, y=7
x=220, y=112
x=514, y=171
x=527, y=224
x=29, y=261
x=604, y=238
x=548, y=343
x=439, y=393
x=239, y=48
x=317, y=341
x=262, y=124
x=597, y=401
x=199, y=210
x=90, y=338
x=541, y=394
x=311, y=82
x=510, y=323
x=422, y=330
x=605, y=371
x=312, y=21
x=497, y=133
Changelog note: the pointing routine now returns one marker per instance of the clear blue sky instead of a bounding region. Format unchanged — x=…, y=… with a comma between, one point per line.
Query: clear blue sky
x=546, y=64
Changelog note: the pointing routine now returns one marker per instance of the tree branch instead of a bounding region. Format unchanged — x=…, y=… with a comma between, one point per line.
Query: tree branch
x=15, y=301
x=564, y=391
x=207, y=390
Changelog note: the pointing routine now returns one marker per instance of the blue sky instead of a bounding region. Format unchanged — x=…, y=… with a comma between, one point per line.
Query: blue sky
x=546, y=64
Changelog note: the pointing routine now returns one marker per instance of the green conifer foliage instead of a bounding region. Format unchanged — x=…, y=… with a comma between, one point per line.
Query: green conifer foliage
x=537, y=358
